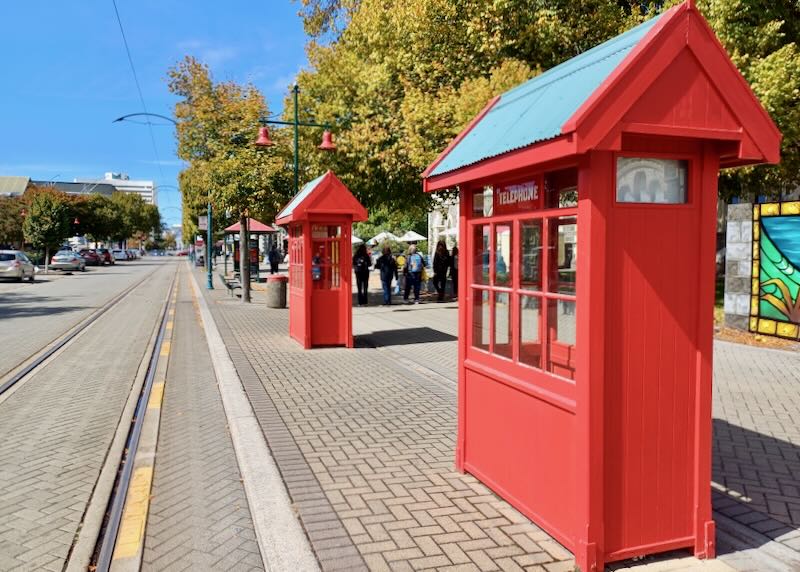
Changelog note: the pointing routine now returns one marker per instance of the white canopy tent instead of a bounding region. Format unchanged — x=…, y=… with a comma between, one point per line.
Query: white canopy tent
x=382, y=237
x=355, y=240
x=450, y=232
x=412, y=236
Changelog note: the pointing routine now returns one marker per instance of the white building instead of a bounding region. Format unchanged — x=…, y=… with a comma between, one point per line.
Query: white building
x=443, y=223
x=123, y=183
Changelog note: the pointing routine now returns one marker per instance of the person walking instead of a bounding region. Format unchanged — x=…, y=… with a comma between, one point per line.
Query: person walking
x=441, y=263
x=387, y=266
x=454, y=271
x=412, y=270
x=274, y=258
x=361, y=265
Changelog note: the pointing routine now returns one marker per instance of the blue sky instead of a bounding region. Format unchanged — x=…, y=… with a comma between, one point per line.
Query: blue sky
x=65, y=77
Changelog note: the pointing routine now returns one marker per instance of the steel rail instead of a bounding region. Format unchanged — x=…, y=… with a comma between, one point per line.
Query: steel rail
x=108, y=535
x=70, y=335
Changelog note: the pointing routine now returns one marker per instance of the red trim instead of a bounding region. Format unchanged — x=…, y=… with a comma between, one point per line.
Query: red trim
x=649, y=549
x=525, y=158
x=685, y=132
x=460, y=136
x=593, y=102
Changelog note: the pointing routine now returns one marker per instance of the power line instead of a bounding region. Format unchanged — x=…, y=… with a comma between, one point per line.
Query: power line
x=138, y=88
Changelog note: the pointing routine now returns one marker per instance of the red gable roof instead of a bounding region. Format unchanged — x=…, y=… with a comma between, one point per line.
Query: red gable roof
x=324, y=195
x=253, y=225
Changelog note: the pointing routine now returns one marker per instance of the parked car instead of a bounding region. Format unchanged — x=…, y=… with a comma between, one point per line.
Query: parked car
x=91, y=257
x=105, y=254
x=183, y=253
x=68, y=260
x=16, y=266
x=119, y=254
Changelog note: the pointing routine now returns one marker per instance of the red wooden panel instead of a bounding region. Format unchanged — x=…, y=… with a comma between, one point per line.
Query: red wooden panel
x=651, y=315
x=523, y=448
x=326, y=318
x=297, y=315
x=683, y=96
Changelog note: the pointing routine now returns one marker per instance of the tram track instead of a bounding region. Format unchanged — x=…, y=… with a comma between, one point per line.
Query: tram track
x=24, y=369
x=108, y=536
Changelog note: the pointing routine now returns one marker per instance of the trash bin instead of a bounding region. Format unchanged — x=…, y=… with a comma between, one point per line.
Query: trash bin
x=276, y=291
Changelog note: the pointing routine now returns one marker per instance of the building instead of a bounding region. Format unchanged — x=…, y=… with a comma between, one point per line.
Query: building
x=77, y=188
x=443, y=223
x=123, y=183
x=13, y=186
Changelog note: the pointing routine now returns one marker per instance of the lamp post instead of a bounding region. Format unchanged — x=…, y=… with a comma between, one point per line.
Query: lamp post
x=209, y=269
x=327, y=139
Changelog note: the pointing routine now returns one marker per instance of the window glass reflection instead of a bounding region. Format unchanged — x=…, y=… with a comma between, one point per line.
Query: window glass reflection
x=648, y=180
x=502, y=255
x=561, y=189
x=530, y=246
x=502, y=324
x=480, y=264
x=563, y=253
x=530, y=347
x=480, y=319
x=561, y=338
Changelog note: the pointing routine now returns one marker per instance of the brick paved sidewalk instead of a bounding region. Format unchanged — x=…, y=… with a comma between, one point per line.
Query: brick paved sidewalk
x=373, y=428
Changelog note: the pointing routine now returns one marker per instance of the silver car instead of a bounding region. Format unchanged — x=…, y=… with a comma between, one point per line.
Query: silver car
x=15, y=265
x=68, y=260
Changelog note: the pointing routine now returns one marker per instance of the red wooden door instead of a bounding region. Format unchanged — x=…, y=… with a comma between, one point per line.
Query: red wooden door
x=651, y=353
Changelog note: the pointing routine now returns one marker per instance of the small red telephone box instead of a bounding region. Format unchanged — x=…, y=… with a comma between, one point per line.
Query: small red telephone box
x=319, y=219
x=587, y=229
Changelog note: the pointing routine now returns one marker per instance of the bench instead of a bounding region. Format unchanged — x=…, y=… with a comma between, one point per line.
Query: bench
x=230, y=284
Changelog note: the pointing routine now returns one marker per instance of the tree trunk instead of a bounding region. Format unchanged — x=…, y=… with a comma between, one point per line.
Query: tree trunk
x=244, y=258
x=46, y=258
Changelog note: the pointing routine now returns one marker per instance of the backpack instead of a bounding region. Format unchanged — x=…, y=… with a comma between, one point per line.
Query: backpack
x=415, y=263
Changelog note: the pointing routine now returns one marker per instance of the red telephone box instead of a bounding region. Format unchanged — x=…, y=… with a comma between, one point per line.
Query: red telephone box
x=319, y=220
x=588, y=222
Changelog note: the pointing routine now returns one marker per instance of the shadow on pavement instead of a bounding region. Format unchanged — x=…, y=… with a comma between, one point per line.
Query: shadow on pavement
x=403, y=337
x=759, y=477
x=14, y=304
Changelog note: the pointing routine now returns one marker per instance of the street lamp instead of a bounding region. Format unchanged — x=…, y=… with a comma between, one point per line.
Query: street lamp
x=209, y=269
x=327, y=138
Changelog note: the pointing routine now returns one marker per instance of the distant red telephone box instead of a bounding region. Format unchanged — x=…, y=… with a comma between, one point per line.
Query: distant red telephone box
x=587, y=229
x=320, y=219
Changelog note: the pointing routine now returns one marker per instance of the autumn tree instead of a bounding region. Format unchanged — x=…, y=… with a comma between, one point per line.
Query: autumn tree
x=11, y=219
x=217, y=123
x=47, y=222
x=400, y=83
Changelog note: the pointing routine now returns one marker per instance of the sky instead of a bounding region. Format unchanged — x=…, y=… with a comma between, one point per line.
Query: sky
x=65, y=76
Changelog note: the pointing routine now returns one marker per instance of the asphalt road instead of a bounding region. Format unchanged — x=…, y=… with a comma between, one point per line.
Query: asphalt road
x=34, y=315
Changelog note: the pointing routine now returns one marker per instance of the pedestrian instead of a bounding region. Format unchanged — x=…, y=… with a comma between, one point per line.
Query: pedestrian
x=412, y=270
x=387, y=266
x=454, y=270
x=361, y=265
x=274, y=258
x=441, y=263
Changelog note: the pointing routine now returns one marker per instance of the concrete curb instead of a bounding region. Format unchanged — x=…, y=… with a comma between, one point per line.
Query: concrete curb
x=284, y=546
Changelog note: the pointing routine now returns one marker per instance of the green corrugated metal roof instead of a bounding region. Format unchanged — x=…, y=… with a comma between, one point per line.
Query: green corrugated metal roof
x=299, y=197
x=535, y=110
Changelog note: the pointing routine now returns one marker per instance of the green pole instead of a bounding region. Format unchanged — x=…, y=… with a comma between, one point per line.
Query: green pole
x=209, y=281
x=296, y=91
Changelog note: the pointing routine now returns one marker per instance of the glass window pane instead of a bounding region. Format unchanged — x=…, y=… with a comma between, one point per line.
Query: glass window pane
x=502, y=255
x=530, y=242
x=561, y=323
x=480, y=319
x=563, y=253
x=483, y=202
x=502, y=324
x=561, y=189
x=480, y=264
x=530, y=346
x=647, y=180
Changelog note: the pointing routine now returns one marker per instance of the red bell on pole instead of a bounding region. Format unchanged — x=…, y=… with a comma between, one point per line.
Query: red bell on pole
x=327, y=142
x=263, y=138
x=76, y=221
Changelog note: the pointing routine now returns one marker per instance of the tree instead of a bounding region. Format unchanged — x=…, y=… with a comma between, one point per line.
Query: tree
x=217, y=123
x=136, y=218
x=11, y=220
x=399, y=84
x=47, y=223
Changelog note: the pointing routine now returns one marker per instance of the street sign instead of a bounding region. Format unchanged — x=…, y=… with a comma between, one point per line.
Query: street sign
x=202, y=222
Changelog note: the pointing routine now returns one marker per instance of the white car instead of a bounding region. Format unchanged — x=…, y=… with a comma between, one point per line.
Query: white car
x=119, y=254
x=15, y=265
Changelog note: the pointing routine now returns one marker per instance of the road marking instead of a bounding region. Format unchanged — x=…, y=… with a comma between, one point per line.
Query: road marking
x=156, y=396
x=169, y=325
x=134, y=517
x=165, y=347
